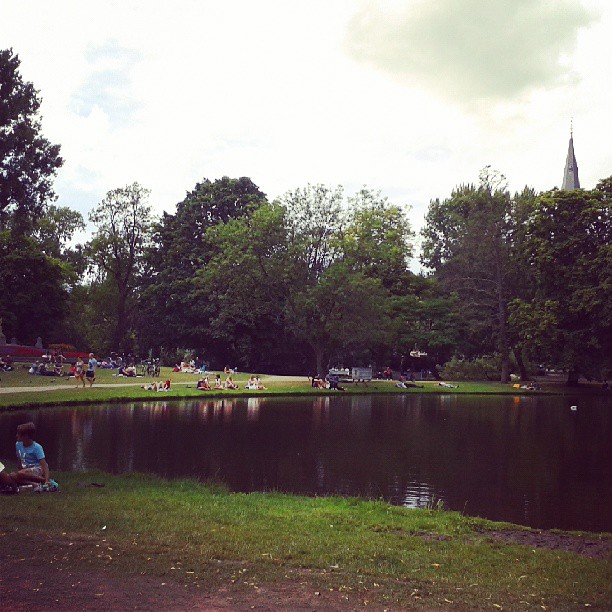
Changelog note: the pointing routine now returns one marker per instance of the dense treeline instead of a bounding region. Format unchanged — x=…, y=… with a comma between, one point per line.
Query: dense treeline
x=313, y=279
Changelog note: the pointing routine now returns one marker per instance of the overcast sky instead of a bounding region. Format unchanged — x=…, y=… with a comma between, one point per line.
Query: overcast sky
x=409, y=97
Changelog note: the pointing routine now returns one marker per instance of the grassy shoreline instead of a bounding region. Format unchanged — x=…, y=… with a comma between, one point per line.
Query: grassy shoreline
x=196, y=534
x=183, y=387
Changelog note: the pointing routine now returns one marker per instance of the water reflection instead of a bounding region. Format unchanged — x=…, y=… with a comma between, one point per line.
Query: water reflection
x=528, y=460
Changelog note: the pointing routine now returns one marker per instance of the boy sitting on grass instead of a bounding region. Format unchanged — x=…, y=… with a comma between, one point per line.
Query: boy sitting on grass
x=31, y=457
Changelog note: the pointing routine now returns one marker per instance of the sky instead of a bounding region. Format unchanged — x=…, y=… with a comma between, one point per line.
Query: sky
x=409, y=97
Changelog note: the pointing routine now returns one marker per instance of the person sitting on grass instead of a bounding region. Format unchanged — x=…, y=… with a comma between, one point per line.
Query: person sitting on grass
x=229, y=383
x=408, y=383
x=255, y=384
x=203, y=384
x=320, y=383
x=259, y=385
x=31, y=457
x=218, y=386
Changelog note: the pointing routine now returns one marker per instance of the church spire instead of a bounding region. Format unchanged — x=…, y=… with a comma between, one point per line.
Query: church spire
x=570, y=176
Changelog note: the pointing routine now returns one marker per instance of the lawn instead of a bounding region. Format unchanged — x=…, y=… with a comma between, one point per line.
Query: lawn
x=365, y=552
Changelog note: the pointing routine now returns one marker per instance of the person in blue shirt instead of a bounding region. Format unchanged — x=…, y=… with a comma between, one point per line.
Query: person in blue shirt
x=33, y=467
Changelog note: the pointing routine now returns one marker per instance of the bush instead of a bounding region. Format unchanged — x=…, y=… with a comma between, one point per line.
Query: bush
x=482, y=368
x=173, y=356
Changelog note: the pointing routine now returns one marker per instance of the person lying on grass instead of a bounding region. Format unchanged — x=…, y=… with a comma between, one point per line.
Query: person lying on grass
x=157, y=386
x=31, y=457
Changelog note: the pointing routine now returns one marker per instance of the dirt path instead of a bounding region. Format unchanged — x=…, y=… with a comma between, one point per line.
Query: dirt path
x=57, y=387
x=60, y=574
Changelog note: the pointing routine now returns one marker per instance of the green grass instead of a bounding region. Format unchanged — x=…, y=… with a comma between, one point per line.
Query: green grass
x=184, y=530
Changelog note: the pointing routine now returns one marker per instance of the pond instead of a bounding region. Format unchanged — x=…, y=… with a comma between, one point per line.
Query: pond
x=528, y=460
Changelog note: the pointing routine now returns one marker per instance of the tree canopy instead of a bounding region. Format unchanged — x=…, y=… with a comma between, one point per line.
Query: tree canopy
x=28, y=161
x=568, y=246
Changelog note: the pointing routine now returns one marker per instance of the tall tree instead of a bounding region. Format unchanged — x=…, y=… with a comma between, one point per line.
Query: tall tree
x=568, y=248
x=28, y=161
x=123, y=223
x=334, y=299
x=181, y=248
x=466, y=243
x=282, y=270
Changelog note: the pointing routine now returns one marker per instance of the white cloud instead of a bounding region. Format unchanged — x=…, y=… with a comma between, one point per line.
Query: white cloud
x=470, y=49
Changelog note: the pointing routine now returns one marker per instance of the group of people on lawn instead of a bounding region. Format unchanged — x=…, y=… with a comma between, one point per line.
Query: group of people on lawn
x=254, y=383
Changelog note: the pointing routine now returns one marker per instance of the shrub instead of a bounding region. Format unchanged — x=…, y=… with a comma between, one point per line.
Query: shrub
x=482, y=368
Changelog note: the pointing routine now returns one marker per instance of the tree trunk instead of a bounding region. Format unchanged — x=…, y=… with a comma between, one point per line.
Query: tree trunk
x=572, y=378
x=319, y=356
x=121, y=327
x=503, y=344
x=518, y=355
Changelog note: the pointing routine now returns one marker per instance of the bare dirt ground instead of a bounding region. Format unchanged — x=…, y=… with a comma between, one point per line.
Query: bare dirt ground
x=29, y=583
x=551, y=540
x=76, y=573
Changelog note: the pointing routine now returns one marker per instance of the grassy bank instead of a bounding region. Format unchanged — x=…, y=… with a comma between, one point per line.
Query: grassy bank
x=373, y=553
x=51, y=391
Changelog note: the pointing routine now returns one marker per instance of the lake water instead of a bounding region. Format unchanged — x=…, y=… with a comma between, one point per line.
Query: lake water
x=527, y=460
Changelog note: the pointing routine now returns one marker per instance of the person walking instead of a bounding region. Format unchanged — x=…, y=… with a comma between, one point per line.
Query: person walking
x=79, y=372
x=90, y=375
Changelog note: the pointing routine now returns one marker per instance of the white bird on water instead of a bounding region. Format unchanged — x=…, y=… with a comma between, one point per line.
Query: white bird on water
x=574, y=408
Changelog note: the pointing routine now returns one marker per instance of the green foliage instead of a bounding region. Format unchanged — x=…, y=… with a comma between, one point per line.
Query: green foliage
x=28, y=161
x=55, y=229
x=378, y=240
x=481, y=368
x=180, y=250
x=568, y=248
x=32, y=291
x=472, y=242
